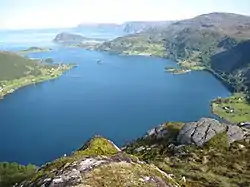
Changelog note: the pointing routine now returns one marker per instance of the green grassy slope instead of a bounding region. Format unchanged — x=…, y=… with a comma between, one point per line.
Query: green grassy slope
x=13, y=66
x=214, y=165
x=17, y=71
x=12, y=173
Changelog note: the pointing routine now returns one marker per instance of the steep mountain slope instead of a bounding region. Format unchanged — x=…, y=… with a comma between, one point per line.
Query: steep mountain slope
x=200, y=41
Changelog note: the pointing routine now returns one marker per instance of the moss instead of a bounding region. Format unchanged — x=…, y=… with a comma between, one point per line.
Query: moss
x=173, y=128
x=219, y=141
x=98, y=146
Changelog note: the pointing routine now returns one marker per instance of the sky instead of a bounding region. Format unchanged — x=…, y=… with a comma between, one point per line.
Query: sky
x=27, y=14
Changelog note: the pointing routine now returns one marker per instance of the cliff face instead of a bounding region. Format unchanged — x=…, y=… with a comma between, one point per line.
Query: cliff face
x=202, y=154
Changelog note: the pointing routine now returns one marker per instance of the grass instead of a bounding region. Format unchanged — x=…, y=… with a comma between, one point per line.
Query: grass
x=134, y=46
x=219, y=141
x=12, y=173
x=145, y=49
x=97, y=146
x=237, y=103
x=124, y=174
x=215, y=164
x=190, y=64
x=47, y=73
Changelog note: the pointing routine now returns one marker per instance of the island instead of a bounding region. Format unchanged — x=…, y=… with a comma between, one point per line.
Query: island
x=34, y=50
x=66, y=37
x=17, y=71
x=78, y=41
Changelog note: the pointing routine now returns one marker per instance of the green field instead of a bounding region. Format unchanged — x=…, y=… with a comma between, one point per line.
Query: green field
x=234, y=109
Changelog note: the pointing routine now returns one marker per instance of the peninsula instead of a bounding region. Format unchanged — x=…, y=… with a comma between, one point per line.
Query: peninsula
x=34, y=50
x=17, y=71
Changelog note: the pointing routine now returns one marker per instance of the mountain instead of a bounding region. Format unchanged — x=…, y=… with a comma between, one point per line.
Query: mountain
x=111, y=26
x=205, y=153
x=127, y=27
x=140, y=26
x=216, y=41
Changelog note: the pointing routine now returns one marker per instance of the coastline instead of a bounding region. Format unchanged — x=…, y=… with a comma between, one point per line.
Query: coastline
x=184, y=70
x=27, y=81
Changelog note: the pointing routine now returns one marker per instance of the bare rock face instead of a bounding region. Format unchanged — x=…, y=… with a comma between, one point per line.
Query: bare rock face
x=198, y=133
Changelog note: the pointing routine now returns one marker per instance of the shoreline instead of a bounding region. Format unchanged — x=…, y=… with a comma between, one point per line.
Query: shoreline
x=28, y=81
x=176, y=72
x=202, y=68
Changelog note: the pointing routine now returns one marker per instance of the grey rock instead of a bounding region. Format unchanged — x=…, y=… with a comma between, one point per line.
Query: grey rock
x=139, y=149
x=198, y=133
x=158, y=132
x=235, y=133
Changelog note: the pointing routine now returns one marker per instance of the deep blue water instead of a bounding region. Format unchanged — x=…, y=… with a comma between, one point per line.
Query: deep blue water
x=121, y=99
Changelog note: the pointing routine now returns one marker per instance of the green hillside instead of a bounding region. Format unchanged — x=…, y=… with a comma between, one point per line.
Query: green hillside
x=12, y=173
x=13, y=66
x=219, y=42
x=17, y=71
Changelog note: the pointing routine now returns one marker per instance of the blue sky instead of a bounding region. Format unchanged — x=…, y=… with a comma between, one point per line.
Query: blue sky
x=21, y=14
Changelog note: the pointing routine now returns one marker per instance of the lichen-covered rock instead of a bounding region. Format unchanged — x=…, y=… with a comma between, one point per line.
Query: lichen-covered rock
x=200, y=132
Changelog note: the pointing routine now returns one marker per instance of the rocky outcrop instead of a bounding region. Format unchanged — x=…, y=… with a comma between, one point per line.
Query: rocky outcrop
x=200, y=132
x=99, y=163
x=159, y=131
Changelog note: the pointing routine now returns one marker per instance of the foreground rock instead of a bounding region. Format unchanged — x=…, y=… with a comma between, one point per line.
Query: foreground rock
x=99, y=163
x=199, y=154
x=198, y=133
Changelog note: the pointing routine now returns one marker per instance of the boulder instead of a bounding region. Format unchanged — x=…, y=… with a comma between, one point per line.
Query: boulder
x=200, y=132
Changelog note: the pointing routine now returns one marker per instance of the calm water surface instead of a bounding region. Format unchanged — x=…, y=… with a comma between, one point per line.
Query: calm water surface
x=121, y=99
